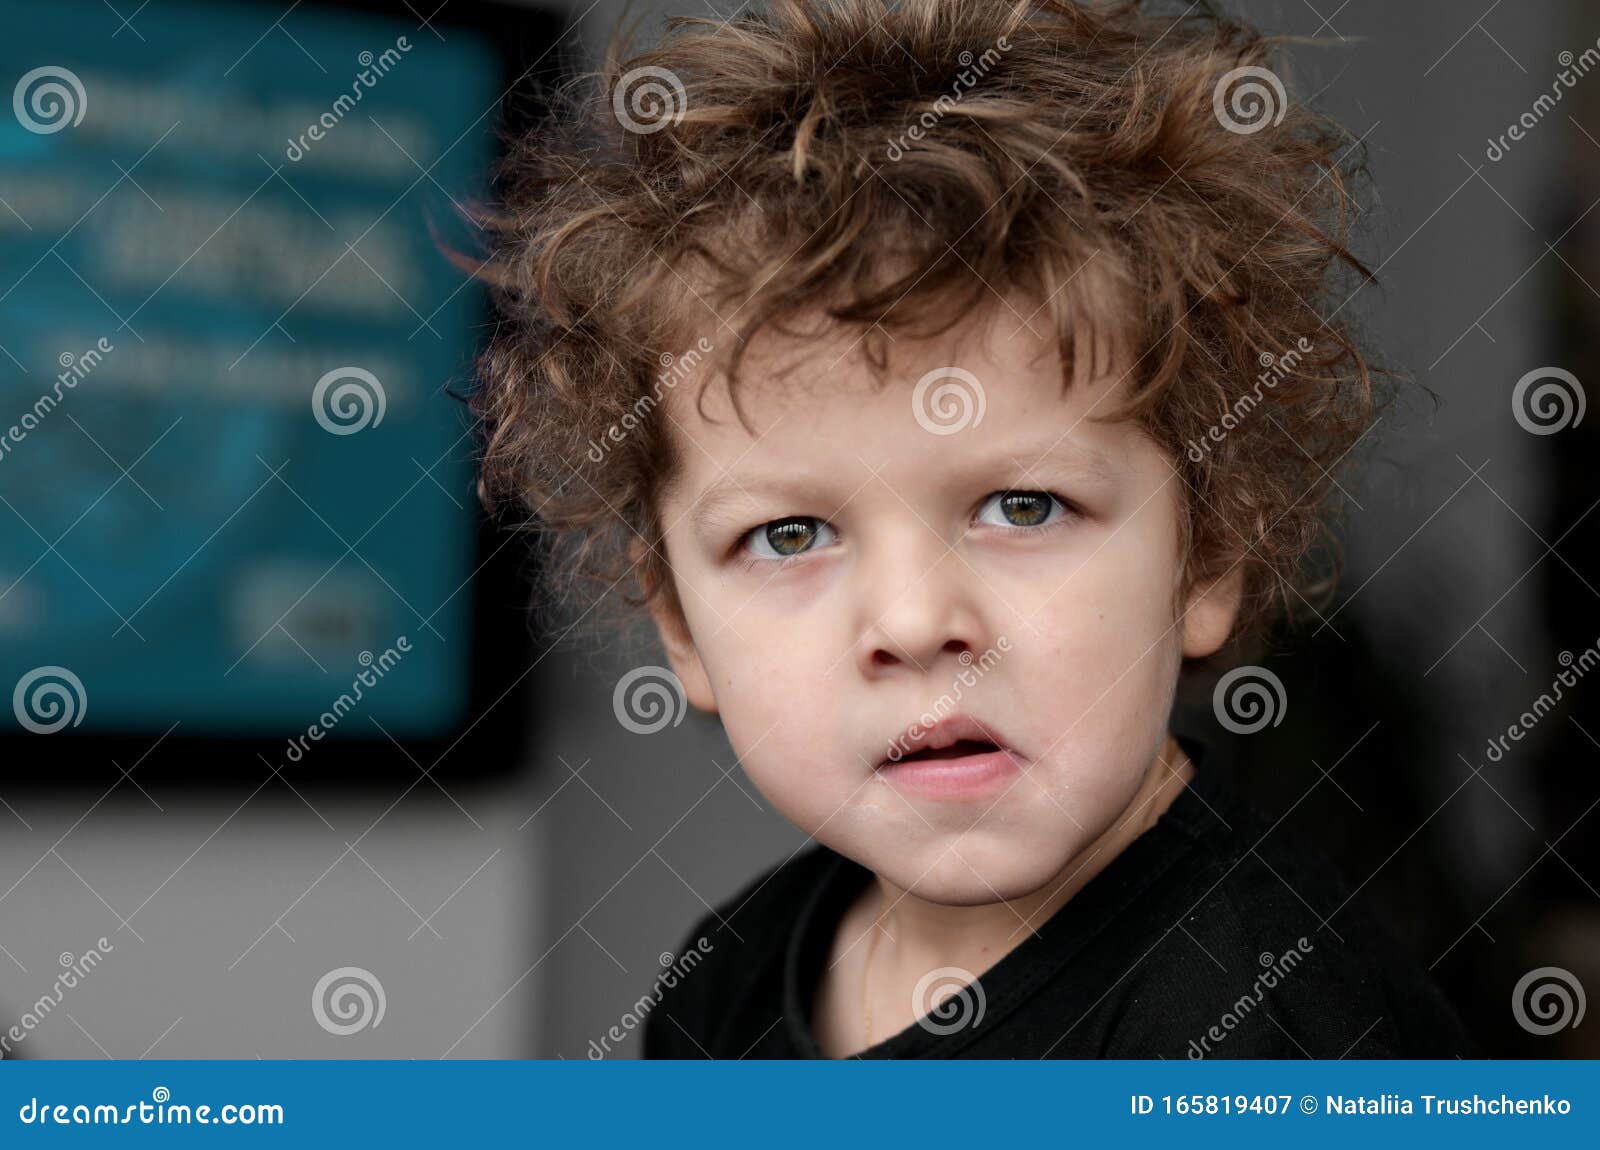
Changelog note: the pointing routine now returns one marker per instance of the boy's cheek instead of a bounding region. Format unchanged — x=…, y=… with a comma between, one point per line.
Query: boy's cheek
x=805, y=778
x=1088, y=639
x=772, y=698
x=1126, y=571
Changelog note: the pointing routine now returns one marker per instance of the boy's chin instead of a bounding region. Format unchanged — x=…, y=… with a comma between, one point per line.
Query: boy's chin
x=978, y=882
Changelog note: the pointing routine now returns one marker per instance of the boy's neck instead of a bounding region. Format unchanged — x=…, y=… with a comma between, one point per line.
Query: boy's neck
x=922, y=935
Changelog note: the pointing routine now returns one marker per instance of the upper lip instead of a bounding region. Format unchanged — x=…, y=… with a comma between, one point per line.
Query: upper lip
x=947, y=731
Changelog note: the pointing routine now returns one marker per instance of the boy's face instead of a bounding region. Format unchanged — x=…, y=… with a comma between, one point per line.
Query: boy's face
x=846, y=574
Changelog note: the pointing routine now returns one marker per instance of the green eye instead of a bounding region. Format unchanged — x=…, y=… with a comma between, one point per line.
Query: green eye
x=783, y=538
x=1020, y=509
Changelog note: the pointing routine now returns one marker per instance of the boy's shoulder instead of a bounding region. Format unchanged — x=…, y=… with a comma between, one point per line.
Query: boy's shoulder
x=1232, y=938
x=1271, y=953
x=741, y=945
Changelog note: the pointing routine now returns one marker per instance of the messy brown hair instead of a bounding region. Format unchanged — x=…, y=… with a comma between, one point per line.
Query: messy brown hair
x=1143, y=174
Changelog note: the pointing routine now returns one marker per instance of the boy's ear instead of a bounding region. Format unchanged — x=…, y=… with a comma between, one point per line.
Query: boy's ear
x=679, y=644
x=1210, y=613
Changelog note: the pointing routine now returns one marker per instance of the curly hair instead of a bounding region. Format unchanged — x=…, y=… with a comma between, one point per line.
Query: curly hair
x=891, y=165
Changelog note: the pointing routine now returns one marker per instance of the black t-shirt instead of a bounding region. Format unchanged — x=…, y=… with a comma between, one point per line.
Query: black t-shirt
x=1209, y=936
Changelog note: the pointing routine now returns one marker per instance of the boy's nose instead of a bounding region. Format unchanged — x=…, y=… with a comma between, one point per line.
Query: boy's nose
x=918, y=618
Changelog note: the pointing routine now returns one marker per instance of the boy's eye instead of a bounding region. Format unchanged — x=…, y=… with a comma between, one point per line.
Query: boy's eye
x=783, y=538
x=1020, y=509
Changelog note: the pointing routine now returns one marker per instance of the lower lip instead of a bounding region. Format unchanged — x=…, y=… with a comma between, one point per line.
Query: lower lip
x=953, y=780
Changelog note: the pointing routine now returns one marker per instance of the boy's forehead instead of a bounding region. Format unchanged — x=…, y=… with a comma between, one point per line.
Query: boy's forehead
x=999, y=365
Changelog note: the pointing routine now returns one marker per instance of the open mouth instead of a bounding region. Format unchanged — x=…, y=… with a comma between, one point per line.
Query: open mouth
x=968, y=770
x=960, y=749
x=957, y=759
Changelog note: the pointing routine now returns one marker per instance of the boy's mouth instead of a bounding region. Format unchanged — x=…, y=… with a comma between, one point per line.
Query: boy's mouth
x=957, y=759
x=952, y=737
x=956, y=750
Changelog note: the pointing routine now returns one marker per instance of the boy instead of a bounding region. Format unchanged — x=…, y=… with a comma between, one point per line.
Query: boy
x=951, y=375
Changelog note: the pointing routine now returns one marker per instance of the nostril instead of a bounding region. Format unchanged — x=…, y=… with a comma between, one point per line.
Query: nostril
x=885, y=657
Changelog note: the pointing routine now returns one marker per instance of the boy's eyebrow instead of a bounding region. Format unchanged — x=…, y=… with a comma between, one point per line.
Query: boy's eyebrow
x=711, y=509
x=1093, y=462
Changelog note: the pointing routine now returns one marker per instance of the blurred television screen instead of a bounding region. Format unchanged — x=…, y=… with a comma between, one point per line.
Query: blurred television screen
x=235, y=480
